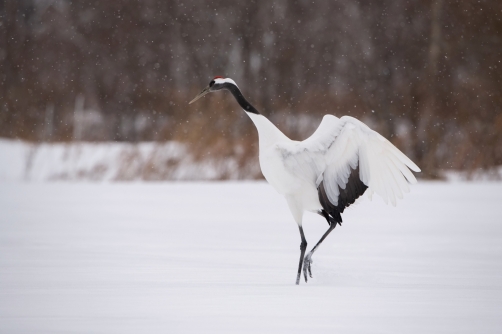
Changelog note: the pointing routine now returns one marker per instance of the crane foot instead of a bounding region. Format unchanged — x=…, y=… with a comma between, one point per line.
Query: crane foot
x=307, y=262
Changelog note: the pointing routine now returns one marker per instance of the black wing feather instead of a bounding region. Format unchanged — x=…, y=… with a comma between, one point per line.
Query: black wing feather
x=353, y=190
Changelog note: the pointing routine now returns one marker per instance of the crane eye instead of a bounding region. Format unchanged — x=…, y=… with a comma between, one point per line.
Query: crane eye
x=211, y=83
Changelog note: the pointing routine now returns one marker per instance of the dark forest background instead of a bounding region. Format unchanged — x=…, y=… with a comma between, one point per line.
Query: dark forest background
x=424, y=73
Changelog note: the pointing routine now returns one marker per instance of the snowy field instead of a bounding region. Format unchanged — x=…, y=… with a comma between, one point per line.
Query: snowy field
x=222, y=258
x=22, y=161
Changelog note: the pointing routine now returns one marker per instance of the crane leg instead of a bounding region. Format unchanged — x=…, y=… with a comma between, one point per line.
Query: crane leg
x=303, y=247
x=308, y=259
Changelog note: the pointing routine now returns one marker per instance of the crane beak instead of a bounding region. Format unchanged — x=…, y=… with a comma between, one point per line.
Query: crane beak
x=201, y=94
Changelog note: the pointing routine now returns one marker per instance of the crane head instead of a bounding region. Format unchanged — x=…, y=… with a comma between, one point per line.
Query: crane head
x=216, y=84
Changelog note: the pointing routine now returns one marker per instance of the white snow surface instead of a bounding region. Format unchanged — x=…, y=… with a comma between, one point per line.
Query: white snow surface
x=113, y=161
x=222, y=258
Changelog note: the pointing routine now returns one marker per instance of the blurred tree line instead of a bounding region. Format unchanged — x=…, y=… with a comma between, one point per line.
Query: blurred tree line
x=425, y=73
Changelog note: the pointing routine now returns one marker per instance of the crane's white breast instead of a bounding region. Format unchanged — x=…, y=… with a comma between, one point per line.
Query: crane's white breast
x=286, y=183
x=272, y=167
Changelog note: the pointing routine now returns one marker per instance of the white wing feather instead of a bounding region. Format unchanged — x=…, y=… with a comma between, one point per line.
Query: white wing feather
x=340, y=145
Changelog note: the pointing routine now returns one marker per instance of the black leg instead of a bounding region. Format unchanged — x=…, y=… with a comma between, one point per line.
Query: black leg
x=308, y=259
x=303, y=247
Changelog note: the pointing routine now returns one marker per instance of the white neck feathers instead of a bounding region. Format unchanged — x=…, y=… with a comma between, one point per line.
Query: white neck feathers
x=268, y=133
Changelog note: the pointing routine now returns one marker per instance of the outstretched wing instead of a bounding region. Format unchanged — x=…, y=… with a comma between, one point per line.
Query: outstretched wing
x=340, y=146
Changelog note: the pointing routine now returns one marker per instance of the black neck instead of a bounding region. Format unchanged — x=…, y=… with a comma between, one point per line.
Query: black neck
x=240, y=98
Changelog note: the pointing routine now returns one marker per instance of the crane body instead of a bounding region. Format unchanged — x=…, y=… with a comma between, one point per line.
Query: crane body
x=329, y=170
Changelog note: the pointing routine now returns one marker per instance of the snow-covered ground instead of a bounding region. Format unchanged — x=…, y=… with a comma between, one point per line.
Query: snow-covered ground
x=112, y=161
x=222, y=258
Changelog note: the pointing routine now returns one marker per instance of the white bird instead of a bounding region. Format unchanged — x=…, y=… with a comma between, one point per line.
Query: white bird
x=328, y=171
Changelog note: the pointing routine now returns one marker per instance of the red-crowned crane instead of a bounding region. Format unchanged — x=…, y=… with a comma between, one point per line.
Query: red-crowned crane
x=328, y=171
